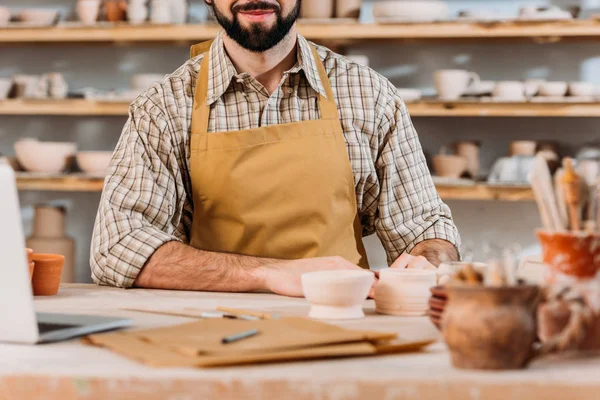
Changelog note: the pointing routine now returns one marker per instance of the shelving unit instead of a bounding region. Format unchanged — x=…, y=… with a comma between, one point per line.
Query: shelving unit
x=329, y=31
x=81, y=183
x=420, y=109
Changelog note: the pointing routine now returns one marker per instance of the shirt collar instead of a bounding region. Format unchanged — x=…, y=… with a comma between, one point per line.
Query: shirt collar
x=222, y=70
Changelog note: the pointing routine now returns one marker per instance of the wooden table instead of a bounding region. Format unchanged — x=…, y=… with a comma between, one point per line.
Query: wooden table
x=72, y=370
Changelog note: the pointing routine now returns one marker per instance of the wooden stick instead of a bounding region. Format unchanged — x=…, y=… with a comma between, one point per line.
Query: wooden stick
x=235, y=311
x=572, y=183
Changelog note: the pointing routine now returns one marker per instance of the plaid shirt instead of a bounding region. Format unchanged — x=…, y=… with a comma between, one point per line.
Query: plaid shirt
x=147, y=197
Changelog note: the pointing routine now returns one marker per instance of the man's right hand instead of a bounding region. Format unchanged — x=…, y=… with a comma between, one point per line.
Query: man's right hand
x=284, y=277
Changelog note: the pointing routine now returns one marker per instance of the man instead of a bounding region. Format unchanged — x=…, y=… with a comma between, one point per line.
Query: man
x=261, y=158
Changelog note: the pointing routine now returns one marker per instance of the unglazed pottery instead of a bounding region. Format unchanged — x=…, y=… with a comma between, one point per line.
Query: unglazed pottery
x=553, y=89
x=47, y=272
x=452, y=84
x=49, y=157
x=575, y=254
x=347, y=8
x=94, y=162
x=509, y=91
x=523, y=148
x=88, y=11
x=554, y=317
x=404, y=292
x=582, y=89
x=470, y=151
x=38, y=16
x=115, y=10
x=337, y=294
x=411, y=10
x=317, y=9
x=449, y=166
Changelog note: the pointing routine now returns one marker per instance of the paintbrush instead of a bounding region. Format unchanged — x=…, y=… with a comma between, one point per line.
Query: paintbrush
x=572, y=189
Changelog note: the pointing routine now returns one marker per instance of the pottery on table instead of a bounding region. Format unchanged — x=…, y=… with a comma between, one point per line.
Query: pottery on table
x=49, y=236
x=575, y=254
x=48, y=157
x=449, y=165
x=47, y=273
x=470, y=151
x=495, y=328
x=451, y=84
x=523, y=148
x=554, y=317
x=404, y=292
x=553, y=89
x=94, y=162
x=337, y=294
x=317, y=9
x=411, y=10
x=4, y=16
x=509, y=91
x=347, y=8
x=5, y=86
x=88, y=11
x=582, y=89
x=115, y=10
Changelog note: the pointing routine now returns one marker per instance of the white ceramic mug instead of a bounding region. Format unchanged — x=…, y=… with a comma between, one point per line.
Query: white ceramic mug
x=88, y=10
x=509, y=90
x=453, y=83
x=404, y=291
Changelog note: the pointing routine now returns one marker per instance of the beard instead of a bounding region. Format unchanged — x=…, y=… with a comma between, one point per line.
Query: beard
x=257, y=38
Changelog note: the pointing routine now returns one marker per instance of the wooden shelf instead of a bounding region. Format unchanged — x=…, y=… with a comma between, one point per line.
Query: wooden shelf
x=79, y=183
x=333, y=31
x=421, y=109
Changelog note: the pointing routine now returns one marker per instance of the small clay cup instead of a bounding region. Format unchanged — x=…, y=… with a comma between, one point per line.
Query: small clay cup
x=29, y=253
x=571, y=253
x=495, y=328
x=46, y=275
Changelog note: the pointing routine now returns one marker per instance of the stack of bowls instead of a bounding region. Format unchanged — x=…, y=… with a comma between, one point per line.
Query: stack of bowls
x=404, y=292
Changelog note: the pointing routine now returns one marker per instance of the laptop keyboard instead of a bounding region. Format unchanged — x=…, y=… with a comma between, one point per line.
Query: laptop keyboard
x=45, y=327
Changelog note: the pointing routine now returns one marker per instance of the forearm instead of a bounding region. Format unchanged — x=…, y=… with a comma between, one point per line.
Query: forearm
x=436, y=251
x=181, y=267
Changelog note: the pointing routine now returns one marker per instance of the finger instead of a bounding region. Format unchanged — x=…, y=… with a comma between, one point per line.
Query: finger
x=402, y=261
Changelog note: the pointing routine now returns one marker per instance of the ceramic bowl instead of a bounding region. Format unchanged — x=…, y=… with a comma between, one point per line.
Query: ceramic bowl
x=449, y=166
x=5, y=86
x=404, y=292
x=410, y=95
x=411, y=11
x=553, y=89
x=94, y=162
x=38, y=16
x=337, y=294
x=523, y=148
x=582, y=89
x=144, y=81
x=4, y=16
x=46, y=157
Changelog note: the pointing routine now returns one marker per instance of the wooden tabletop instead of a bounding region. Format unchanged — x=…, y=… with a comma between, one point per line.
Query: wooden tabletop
x=70, y=370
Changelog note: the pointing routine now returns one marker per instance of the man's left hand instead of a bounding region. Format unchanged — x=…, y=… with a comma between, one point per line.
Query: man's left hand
x=416, y=262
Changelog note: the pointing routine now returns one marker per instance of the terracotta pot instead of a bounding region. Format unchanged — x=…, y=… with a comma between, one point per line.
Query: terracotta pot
x=46, y=275
x=571, y=253
x=317, y=9
x=554, y=317
x=29, y=255
x=115, y=10
x=347, y=8
x=470, y=151
x=31, y=269
x=450, y=166
x=494, y=328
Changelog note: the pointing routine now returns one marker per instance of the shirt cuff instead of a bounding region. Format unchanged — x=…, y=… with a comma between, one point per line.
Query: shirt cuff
x=440, y=230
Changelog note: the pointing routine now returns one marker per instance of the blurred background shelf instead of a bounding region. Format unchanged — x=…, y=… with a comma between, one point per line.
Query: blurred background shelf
x=82, y=183
x=420, y=109
x=328, y=31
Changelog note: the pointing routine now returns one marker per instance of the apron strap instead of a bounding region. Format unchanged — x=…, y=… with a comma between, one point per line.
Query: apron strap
x=327, y=105
x=200, y=48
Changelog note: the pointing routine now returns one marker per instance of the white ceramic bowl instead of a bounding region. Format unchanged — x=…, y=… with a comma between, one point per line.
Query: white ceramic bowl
x=4, y=16
x=411, y=10
x=337, y=294
x=5, y=85
x=449, y=165
x=582, y=89
x=144, y=81
x=553, y=89
x=410, y=95
x=94, y=162
x=38, y=16
x=47, y=157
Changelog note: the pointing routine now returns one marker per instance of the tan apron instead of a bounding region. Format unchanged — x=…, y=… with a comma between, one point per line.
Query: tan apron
x=284, y=191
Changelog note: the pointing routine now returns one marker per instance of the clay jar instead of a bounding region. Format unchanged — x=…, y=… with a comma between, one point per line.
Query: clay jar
x=495, y=327
x=115, y=10
x=46, y=275
x=404, y=292
x=317, y=9
x=48, y=236
x=449, y=165
x=470, y=151
x=576, y=254
x=553, y=317
x=347, y=8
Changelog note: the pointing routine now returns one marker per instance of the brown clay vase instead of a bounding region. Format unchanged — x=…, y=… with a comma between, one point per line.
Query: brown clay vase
x=470, y=151
x=495, y=328
x=115, y=10
x=317, y=9
x=46, y=275
x=571, y=253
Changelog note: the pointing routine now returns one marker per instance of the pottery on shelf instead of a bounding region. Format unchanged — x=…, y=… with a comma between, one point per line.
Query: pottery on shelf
x=582, y=89
x=553, y=89
x=88, y=11
x=39, y=16
x=451, y=84
x=470, y=151
x=5, y=86
x=449, y=165
x=48, y=236
x=160, y=12
x=94, y=162
x=509, y=91
x=115, y=10
x=137, y=12
x=404, y=292
x=409, y=95
x=347, y=8
x=48, y=157
x=57, y=85
x=337, y=294
x=179, y=11
x=4, y=16
x=523, y=148
x=411, y=10
x=47, y=273
x=317, y=9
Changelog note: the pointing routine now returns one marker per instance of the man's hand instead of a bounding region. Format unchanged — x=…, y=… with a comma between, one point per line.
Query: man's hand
x=408, y=261
x=284, y=277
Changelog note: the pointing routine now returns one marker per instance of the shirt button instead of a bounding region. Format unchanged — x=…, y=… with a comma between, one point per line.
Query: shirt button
x=290, y=90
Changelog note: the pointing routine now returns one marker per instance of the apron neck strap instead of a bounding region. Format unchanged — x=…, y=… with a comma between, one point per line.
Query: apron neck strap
x=327, y=104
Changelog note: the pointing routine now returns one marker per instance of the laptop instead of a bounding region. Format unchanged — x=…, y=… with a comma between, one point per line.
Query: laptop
x=20, y=323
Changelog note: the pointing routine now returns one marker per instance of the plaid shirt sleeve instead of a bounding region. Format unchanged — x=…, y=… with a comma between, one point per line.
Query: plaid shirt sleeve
x=409, y=207
x=140, y=200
